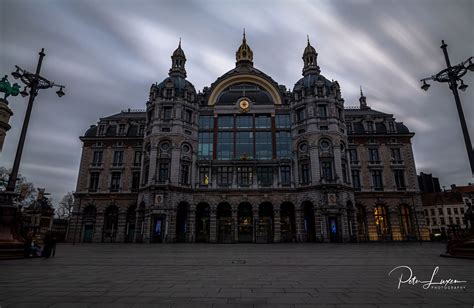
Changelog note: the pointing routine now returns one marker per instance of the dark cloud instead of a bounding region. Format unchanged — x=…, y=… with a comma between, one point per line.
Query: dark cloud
x=108, y=53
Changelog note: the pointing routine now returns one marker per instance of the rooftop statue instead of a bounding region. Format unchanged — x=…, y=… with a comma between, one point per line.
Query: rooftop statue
x=7, y=88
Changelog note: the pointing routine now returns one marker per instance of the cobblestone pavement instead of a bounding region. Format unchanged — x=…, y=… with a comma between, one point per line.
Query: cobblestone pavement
x=238, y=275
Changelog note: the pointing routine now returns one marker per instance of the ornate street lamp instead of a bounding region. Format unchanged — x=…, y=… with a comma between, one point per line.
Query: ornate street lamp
x=452, y=75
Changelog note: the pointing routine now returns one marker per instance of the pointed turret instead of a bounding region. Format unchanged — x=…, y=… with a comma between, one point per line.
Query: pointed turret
x=178, y=60
x=310, y=59
x=362, y=100
x=244, y=54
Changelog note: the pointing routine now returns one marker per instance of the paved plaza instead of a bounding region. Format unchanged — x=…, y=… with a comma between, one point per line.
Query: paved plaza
x=236, y=275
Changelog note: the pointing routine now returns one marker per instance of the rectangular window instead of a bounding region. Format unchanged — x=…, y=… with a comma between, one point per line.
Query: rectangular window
x=263, y=121
x=169, y=93
x=456, y=211
x=374, y=156
x=353, y=156
x=432, y=212
x=344, y=173
x=326, y=170
x=204, y=175
x=163, y=172
x=282, y=121
x=188, y=116
x=135, y=180
x=244, y=121
x=167, y=113
x=121, y=129
x=340, y=115
x=118, y=158
x=94, y=181
x=322, y=111
x=101, y=130
x=396, y=155
x=224, y=176
x=283, y=145
x=263, y=145
x=449, y=210
x=370, y=126
x=399, y=179
x=300, y=114
x=285, y=175
x=97, y=158
x=115, y=181
x=442, y=220
x=206, y=122
x=244, y=145
x=377, y=179
x=137, y=158
x=462, y=211
x=305, y=177
x=225, y=145
x=265, y=176
x=225, y=122
x=391, y=127
x=244, y=176
x=141, y=130
x=184, y=174
x=324, y=127
x=206, y=144
x=440, y=211
x=356, y=179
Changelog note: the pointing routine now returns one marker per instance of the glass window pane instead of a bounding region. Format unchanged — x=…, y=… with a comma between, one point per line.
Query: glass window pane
x=225, y=145
x=263, y=145
x=205, y=147
x=262, y=121
x=282, y=121
x=206, y=122
x=244, y=145
x=244, y=121
x=226, y=121
x=283, y=144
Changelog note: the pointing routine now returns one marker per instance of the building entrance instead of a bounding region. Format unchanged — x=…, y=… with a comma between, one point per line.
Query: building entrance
x=224, y=223
x=245, y=223
x=334, y=231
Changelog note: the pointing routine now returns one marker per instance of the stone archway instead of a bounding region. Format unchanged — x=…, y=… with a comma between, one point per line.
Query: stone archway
x=224, y=223
x=109, y=231
x=309, y=221
x=181, y=221
x=287, y=221
x=264, y=227
x=203, y=226
x=88, y=223
x=245, y=223
x=130, y=225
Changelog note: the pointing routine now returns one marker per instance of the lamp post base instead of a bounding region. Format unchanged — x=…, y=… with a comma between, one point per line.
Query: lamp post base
x=11, y=242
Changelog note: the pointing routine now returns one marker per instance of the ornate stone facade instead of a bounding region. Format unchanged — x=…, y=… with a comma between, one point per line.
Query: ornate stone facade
x=245, y=160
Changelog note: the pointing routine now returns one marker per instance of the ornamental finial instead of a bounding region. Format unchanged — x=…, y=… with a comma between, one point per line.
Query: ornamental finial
x=7, y=88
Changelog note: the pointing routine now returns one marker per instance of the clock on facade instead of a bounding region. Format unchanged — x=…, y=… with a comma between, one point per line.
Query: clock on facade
x=244, y=105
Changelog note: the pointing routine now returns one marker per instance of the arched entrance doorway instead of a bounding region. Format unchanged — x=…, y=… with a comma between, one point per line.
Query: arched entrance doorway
x=382, y=223
x=181, y=222
x=224, y=223
x=362, y=223
x=309, y=223
x=288, y=225
x=130, y=224
x=203, y=226
x=245, y=218
x=406, y=225
x=264, y=232
x=88, y=222
x=110, y=224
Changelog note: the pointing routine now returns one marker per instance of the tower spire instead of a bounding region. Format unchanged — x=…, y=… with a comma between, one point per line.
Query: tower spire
x=362, y=100
x=310, y=59
x=244, y=55
x=178, y=60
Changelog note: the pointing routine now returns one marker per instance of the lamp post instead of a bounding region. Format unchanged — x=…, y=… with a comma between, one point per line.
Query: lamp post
x=33, y=82
x=452, y=75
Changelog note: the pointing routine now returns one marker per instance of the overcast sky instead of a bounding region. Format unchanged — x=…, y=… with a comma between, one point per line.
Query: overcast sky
x=108, y=53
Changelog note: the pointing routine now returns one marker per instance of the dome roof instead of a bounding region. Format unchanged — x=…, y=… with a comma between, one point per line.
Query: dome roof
x=310, y=80
x=179, y=51
x=309, y=49
x=178, y=83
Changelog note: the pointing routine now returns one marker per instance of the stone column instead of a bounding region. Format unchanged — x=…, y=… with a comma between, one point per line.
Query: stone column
x=235, y=224
x=345, y=226
x=317, y=225
x=190, y=234
x=300, y=232
x=121, y=227
x=276, y=226
x=213, y=224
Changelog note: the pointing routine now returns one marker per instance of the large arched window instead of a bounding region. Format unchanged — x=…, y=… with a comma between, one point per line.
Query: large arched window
x=406, y=226
x=163, y=161
x=326, y=159
x=382, y=222
x=110, y=224
x=304, y=163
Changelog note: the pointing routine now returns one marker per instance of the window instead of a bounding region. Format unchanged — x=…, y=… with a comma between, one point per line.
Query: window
x=340, y=115
x=265, y=176
x=204, y=175
x=282, y=121
x=141, y=130
x=97, y=158
x=353, y=156
x=225, y=145
x=94, y=181
x=432, y=212
x=355, y=179
x=443, y=222
x=344, y=173
x=374, y=156
x=370, y=126
x=244, y=145
x=396, y=155
x=285, y=175
x=263, y=145
x=391, y=127
x=225, y=122
x=167, y=113
x=245, y=121
x=326, y=170
x=399, y=179
x=305, y=177
x=458, y=221
x=405, y=220
x=205, y=147
x=324, y=127
x=118, y=158
x=169, y=93
x=244, y=176
x=165, y=129
x=206, y=122
x=456, y=210
x=322, y=111
x=224, y=176
x=135, y=180
x=449, y=210
x=381, y=221
x=101, y=130
x=121, y=129
x=440, y=211
x=377, y=179
x=115, y=181
x=137, y=158
x=300, y=114
x=462, y=211
x=262, y=121
x=283, y=144
x=163, y=172
x=188, y=116
x=184, y=174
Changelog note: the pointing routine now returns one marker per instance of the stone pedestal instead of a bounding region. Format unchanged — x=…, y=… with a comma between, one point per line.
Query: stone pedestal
x=5, y=114
x=11, y=242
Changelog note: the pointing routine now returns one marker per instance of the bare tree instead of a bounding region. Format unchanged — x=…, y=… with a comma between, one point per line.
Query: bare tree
x=25, y=189
x=66, y=206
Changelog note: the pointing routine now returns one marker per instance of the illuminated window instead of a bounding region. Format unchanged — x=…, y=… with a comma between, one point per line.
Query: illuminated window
x=405, y=220
x=381, y=222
